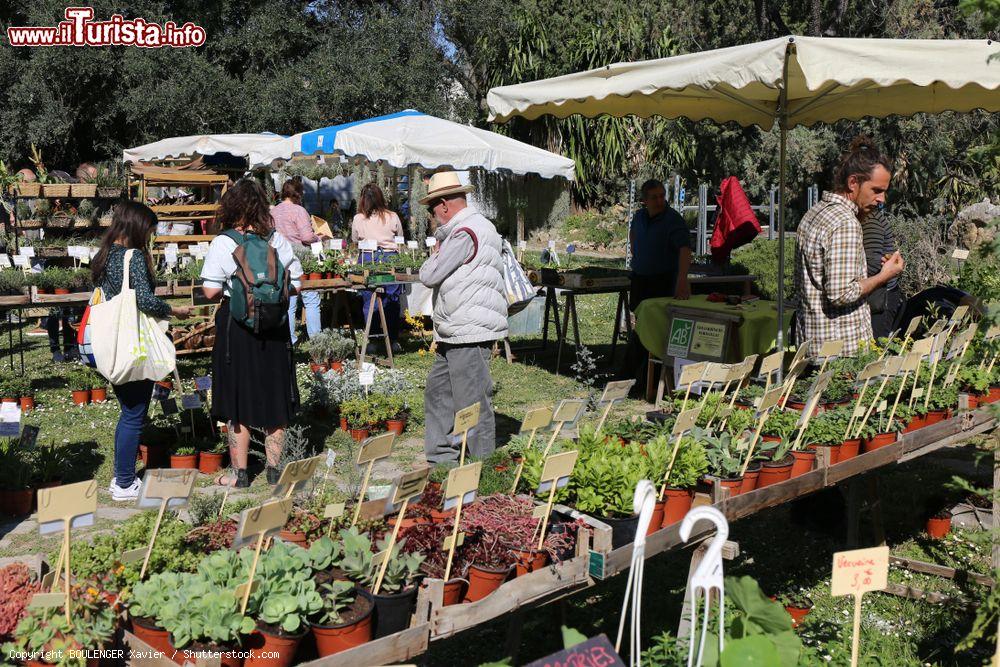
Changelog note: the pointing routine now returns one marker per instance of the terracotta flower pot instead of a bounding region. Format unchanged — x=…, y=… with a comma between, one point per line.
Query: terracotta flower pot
x=81, y=396
x=798, y=614
x=359, y=434
x=775, y=472
x=343, y=423
x=751, y=480
x=209, y=462
x=935, y=416
x=484, y=580
x=408, y=522
x=834, y=451
x=771, y=438
x=280, y=648
x=43, y=290
x=735, y=485
x=184, y=461
x=878, y=441
x=18, y=502
x=938, y=528
x=805, y=459
x=146, y=630
x=337, y=365
x=529, y=561
x=849, y=449
x=318, y=368
x=62, y=290
x=397, y=426
x=8, y=400
x=358, y=629
x=677, y=503
x=99, y=394
x=454, y=590
x=293, y=538
x=27, y=403
x=917, y=422
x=153, y=456
x=656, y=521
x=439, y=516
x=973, y=401
x=994, y=395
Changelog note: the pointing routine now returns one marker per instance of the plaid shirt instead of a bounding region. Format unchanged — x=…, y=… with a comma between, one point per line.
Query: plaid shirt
x=829, y=267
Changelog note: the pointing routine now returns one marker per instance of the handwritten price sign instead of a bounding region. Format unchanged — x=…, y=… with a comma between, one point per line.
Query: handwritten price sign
x=856, y=573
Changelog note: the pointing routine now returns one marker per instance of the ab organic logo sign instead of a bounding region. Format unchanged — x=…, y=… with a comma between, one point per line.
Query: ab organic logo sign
x=680, y=337
x=79, y=29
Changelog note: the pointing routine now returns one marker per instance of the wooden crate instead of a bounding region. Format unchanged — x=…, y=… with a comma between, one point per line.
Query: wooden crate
x=15, y=300
x=579, y=281
x=326, y=283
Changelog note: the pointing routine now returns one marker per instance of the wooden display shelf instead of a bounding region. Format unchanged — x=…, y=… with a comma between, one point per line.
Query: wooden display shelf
x=73, y=297
x=15, y=299
x=199, y=350
x=326, y=283
x=187, y=239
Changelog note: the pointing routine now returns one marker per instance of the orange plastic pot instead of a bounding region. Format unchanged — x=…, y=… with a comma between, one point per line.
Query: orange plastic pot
x=279, y=649
x=677, y=503
x=798, y=614
x=359, y=434
x=209, y=462
x=935, y=416
x=453, y=591
x=293, y=538
x=751, y=481
x=484, y=580
x=938, y=528
x=775, y=472
x=994, y=395
x=397, y=426
x=804, y=462
x=332, y=639
x=917, y=422
x=184, y=461
x=27, y=403
x=317, y=368
x=849, y=449
x=734, y=485
x=656, y=521
x=337, y=365
x=81, y=396
x=315, y=276
x=99, y=394
x=343, y=423
x=834, y=451
x=529, y=561
x=878, y=441
x=62, y=290
x=152, y=634
x=8, y=400
x=973, y=401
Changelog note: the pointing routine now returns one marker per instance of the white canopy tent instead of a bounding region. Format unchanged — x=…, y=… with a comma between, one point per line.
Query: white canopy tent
x=789, y=81
x=412, y=138
x=254, y=147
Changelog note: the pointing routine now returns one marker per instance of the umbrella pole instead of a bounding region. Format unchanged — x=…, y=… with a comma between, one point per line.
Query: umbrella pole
x=783, y=124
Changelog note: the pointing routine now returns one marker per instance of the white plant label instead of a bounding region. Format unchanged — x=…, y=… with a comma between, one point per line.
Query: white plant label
x=316, y=248
x=398, y=240
x=412, y=245
x=336, y=244
x=368, y=244
x=26, y=251
x=5, y=260
x=430, y=241
x=366, y=378
x=22, y=261
x=522, y=245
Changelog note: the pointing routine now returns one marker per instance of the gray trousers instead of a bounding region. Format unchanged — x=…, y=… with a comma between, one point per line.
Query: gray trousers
x=459, y=378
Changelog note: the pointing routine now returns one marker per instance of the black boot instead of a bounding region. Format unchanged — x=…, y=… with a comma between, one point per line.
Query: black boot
x=272, y=475
x=242, y=480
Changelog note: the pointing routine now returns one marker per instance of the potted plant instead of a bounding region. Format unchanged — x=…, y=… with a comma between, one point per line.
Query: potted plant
x=210, y=455
x=47, y=468
x=488, y=562
x=339, y=349
x=397, y=411
x=346, y=619
x=939, y=524
x=357, y=412
x=302, y=527
x=184, y=456
x=147, y=604
x=878, y=432
x=975, y=382
x=725, y=463
x=18, y=585
x=80, y=280
x=826, y=431
x=12, y=282
x=797, y=604
x=942, y=401
x=777, y=464
x=779, y=425
x=98, y=387
x=15, y=494
x=318, y=349
x=46, y=632
x=311, y=268
x=79, y=379
x=690, y=464
x=20, y=387
x=204, y=616
x=109, y=179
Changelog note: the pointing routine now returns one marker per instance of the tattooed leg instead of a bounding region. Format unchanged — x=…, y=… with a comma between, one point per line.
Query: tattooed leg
x=274, y=442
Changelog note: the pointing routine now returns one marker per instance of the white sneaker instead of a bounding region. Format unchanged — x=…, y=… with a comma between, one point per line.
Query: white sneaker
x=118, y=494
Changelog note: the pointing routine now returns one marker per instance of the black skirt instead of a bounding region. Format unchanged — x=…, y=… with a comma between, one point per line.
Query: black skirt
x=253, y=376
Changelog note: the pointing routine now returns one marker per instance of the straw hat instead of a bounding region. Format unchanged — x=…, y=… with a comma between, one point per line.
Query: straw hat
x=444, y=183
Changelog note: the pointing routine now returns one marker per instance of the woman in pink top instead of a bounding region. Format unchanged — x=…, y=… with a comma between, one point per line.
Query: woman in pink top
x=375, y=222
x=293, y=222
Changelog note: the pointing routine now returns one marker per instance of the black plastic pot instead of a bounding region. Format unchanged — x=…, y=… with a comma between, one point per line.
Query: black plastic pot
x=658, y=416
x=393, y=612
x=622, y=530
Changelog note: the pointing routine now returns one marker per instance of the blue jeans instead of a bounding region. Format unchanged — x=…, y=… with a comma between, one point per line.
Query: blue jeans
x=310, y=301
x=134, y=398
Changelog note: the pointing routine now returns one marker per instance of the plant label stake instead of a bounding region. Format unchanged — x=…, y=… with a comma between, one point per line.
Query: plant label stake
x=829, y=351
x=990, y=337
x=936, y=352
x=910, y=330
x=465, y=420
x=923, y=347
x=534, y=420
x=890, y=370
x=956, y=353
x=957, y=317
x=643, y=504
x=734, y=374
x=258, y=522
x=333, y=511
x=296, y=474
x=373, y=449
x=911, y=363
x=770, y=366
x=742, y=371
x=460, y=490
x=65, y=507
x=799, y=363
x=690, y=374
x=160, y=488
x=867, y=374
x=815, y=394
x=767, y=403
x=856, y=573
x=613, y=393
x=555, y=475
x=715, y=374
x=567, y=412
x=408, y=486
x=682, y=426
x=706, y=577
x=937, y=327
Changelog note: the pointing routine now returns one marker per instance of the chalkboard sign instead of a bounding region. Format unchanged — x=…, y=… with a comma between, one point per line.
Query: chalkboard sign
x=595, y=652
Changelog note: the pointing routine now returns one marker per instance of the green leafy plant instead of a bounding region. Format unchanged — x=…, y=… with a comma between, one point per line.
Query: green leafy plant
x=203, y=612
x=47, y=629
x=690, y=464
x=605, y=476
x=337, y=597
x=974, y=379
x=79, y=378
x=357, y=412
x=185, y=450
x=724, y=460
x=780, y=423
x=828, y=428
x=12, y=281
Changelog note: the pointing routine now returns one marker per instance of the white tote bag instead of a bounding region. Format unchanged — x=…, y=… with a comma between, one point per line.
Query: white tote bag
x=128, y=344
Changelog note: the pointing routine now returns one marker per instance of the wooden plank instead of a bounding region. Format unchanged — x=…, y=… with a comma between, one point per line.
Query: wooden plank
x=398, y=647
x=600, y=532
x=526, y=590
x=184, y=239
x=864, y=462
x=745, y=504
x=74, y=297
x=184, y=208
x=15, y=300
x=918, y=594
x=331, y=283
x=960, y=576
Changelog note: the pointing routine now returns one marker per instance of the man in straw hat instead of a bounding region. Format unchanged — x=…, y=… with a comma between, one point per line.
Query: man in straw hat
x=465, y=270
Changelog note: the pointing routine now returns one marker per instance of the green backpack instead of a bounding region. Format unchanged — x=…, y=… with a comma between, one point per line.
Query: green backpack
x=258, y=296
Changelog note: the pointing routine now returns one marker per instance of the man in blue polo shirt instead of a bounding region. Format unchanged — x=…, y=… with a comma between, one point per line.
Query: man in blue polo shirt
x=661, y=249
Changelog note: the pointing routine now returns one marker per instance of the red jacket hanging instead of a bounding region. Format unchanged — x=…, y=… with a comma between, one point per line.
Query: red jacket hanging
x=735, y=222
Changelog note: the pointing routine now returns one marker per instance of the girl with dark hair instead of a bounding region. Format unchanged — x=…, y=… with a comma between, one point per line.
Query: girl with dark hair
x=131, y=226
x=375, y=222
x=253, y=375
x=293, y=222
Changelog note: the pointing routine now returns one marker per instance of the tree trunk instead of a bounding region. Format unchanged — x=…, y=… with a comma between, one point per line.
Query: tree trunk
x=815, y=13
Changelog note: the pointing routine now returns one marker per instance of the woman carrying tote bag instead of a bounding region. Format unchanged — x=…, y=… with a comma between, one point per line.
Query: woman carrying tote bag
x=126, y=243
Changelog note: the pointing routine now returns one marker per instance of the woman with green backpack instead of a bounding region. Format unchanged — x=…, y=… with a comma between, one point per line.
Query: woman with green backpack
x=253, y=270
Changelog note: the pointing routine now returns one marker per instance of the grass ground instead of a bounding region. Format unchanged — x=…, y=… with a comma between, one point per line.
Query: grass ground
x=783, y=547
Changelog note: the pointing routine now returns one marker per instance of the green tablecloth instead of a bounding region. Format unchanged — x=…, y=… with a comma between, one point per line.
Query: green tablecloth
x=756, y=333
